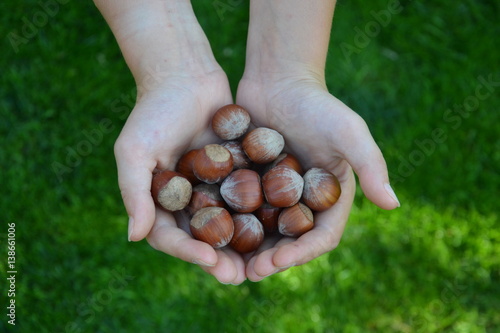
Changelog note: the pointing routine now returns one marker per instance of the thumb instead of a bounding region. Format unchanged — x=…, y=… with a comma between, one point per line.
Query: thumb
x=134, y=180
x=368, y=163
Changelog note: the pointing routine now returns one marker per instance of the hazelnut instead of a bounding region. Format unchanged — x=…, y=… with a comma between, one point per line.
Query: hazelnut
x=240, y=159
x=248, y=233
x=321, y=189
x=242, y=191
x=268, y=216
x=230, y=122
x=212, y=163
x=288, y=160
x=185, y=166
x=212, y=225
x=171, y=190
x=263, y=145
x=296, y=220
x=205, y=195
x=282, y=186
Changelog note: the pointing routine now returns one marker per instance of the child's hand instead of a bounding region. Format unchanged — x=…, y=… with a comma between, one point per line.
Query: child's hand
x=322, y=132
x=165, y=123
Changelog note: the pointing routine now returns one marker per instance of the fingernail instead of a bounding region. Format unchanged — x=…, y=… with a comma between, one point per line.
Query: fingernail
x=229, y=283
x=202, y=263
x=287, y=266
x=130, y=227
x=390, y=191
x=273, y=272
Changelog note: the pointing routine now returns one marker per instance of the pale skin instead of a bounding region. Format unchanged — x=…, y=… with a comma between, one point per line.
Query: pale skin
x=283, y=87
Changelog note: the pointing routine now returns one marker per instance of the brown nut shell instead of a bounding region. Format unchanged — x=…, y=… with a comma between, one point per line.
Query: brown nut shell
x=288, y=160
x=185, y=166
x=212, y=225
x=240, y=159
x=171, y=190
x=321, y=189
x=230, y=122
x=205, y=195
x=212, y=164
x=268, y=216
x=263, y=145
x=296, y=220
x=282, y=186
x=242, y=191
x=248, y=233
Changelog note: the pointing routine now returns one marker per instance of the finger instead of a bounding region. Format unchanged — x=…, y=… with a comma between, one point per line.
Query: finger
x=365, y=157
x=306, y=248
x=174, y=238
x=240, y=269
x=325, y=235
x=261, y=265
x=182, y=218
x=167, y=237
x=229, y=268
x=134, y=180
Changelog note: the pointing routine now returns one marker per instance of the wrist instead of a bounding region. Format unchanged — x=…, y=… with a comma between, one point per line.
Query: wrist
x=159, y=39
x=158, y=54
x=271, y=70
x=288, y=38
x=177, y=56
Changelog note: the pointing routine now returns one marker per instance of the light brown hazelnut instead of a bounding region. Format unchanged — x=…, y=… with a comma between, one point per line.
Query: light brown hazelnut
x=230, y=122
x=171, y=190
x=263, y=145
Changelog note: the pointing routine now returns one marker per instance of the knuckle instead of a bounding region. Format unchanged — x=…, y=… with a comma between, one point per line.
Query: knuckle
x=328, y=243
x=152, y=242
x=120, y=146
x=356, y=122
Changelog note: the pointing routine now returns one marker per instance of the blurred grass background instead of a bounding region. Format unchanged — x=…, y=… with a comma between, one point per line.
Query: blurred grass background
x=432, y=265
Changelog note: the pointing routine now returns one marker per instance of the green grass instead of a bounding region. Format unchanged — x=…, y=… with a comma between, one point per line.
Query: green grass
x=431, y=266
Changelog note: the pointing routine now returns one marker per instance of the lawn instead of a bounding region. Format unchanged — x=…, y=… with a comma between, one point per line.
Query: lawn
x=426, y=78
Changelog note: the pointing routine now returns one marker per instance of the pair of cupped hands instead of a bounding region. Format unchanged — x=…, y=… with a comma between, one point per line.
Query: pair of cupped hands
x=175, y=116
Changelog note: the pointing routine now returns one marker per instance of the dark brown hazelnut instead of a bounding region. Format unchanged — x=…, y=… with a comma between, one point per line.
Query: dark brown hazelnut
x=212, y=163
x=212, y=225
x=321, y=189
x=242, y=191
x=205, y=195
x=288, y=160
x=296, y=220
x=240, y=159
x=282, y=186
x=268, y=216
x=248, y=233
x=185, y=166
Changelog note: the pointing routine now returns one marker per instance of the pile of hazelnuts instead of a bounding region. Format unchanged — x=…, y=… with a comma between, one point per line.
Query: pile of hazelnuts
x=244, y=188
